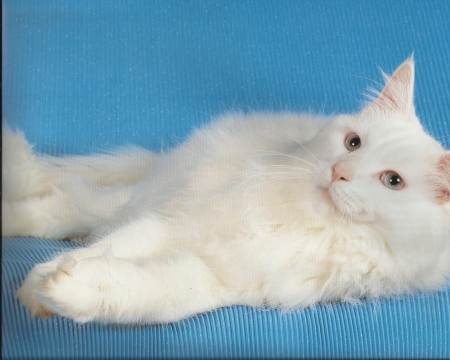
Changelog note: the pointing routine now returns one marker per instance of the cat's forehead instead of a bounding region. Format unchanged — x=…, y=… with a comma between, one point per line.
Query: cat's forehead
x=391, y=130
x=393, y=140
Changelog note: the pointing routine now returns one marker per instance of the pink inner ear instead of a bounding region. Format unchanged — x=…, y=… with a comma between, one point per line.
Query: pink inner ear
x=443, y=193
x=397, y=94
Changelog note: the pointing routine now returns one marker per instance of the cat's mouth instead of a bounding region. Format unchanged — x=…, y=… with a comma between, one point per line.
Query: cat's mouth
x=342, y=200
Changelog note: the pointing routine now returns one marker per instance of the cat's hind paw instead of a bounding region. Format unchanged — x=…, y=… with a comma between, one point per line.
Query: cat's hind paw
x=28, y=294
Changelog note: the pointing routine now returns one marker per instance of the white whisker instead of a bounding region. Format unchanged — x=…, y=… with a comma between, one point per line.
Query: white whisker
x=291, y=168
x=299, y=143
x=275, y=153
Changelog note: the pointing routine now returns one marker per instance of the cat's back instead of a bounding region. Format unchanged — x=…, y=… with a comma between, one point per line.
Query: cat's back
x=257, y=130
x=216, y=153
x=234, y=138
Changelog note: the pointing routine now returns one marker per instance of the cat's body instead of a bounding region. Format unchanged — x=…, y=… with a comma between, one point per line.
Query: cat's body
x=264, y=210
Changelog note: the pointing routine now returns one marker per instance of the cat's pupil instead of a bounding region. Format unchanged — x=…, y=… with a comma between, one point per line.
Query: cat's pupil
x=355, y=142
x=395, y=180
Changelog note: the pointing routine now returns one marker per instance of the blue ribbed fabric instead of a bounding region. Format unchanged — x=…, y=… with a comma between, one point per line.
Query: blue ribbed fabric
x=81, y=76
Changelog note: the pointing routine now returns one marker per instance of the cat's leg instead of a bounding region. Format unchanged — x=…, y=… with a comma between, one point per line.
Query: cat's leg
x=25, y=174
x=111, y=289
x=137, y=242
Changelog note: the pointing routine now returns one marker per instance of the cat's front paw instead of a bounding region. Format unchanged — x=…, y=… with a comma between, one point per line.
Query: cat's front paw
x=75, y=289
x=65, y=287
x=100, y=287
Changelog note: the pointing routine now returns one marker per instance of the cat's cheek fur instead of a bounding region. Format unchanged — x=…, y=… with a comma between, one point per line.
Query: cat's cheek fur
x=442, y=181
x=413, y=230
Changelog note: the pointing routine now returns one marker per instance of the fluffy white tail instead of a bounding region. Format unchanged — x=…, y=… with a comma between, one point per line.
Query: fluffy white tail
x=64, y=196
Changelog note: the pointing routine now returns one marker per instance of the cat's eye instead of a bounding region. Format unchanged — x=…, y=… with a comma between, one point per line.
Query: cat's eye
x=352, y=142
x=392, y=180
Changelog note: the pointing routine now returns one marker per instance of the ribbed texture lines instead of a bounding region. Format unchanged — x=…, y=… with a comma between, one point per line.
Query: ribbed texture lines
x=82, y=76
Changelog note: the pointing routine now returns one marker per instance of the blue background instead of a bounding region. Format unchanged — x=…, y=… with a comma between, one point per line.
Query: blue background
x=83, y=76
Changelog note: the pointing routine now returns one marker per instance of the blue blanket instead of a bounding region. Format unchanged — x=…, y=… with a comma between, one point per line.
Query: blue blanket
x=82, y=76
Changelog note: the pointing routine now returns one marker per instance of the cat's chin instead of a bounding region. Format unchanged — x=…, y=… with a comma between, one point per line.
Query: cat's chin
x=342, y=203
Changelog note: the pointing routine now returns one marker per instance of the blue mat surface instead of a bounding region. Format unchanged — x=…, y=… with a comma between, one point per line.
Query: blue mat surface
x=83, y=76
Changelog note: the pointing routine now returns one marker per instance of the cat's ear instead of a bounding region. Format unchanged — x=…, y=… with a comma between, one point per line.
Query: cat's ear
x=443, y=185
x=397, y=95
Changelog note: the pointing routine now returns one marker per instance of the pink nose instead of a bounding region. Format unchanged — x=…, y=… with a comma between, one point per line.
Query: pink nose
x=341, y=171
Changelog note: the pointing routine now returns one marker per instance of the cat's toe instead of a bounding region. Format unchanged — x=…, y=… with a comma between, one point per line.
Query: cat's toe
x=28, y=294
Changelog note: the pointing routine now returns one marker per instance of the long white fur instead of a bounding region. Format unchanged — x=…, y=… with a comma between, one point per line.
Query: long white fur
x=245, y=212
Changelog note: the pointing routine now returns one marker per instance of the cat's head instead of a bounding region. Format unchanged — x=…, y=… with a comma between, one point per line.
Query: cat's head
x=380, y=167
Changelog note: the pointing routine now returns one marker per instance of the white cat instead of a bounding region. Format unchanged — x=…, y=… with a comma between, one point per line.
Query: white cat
x=276, y=210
